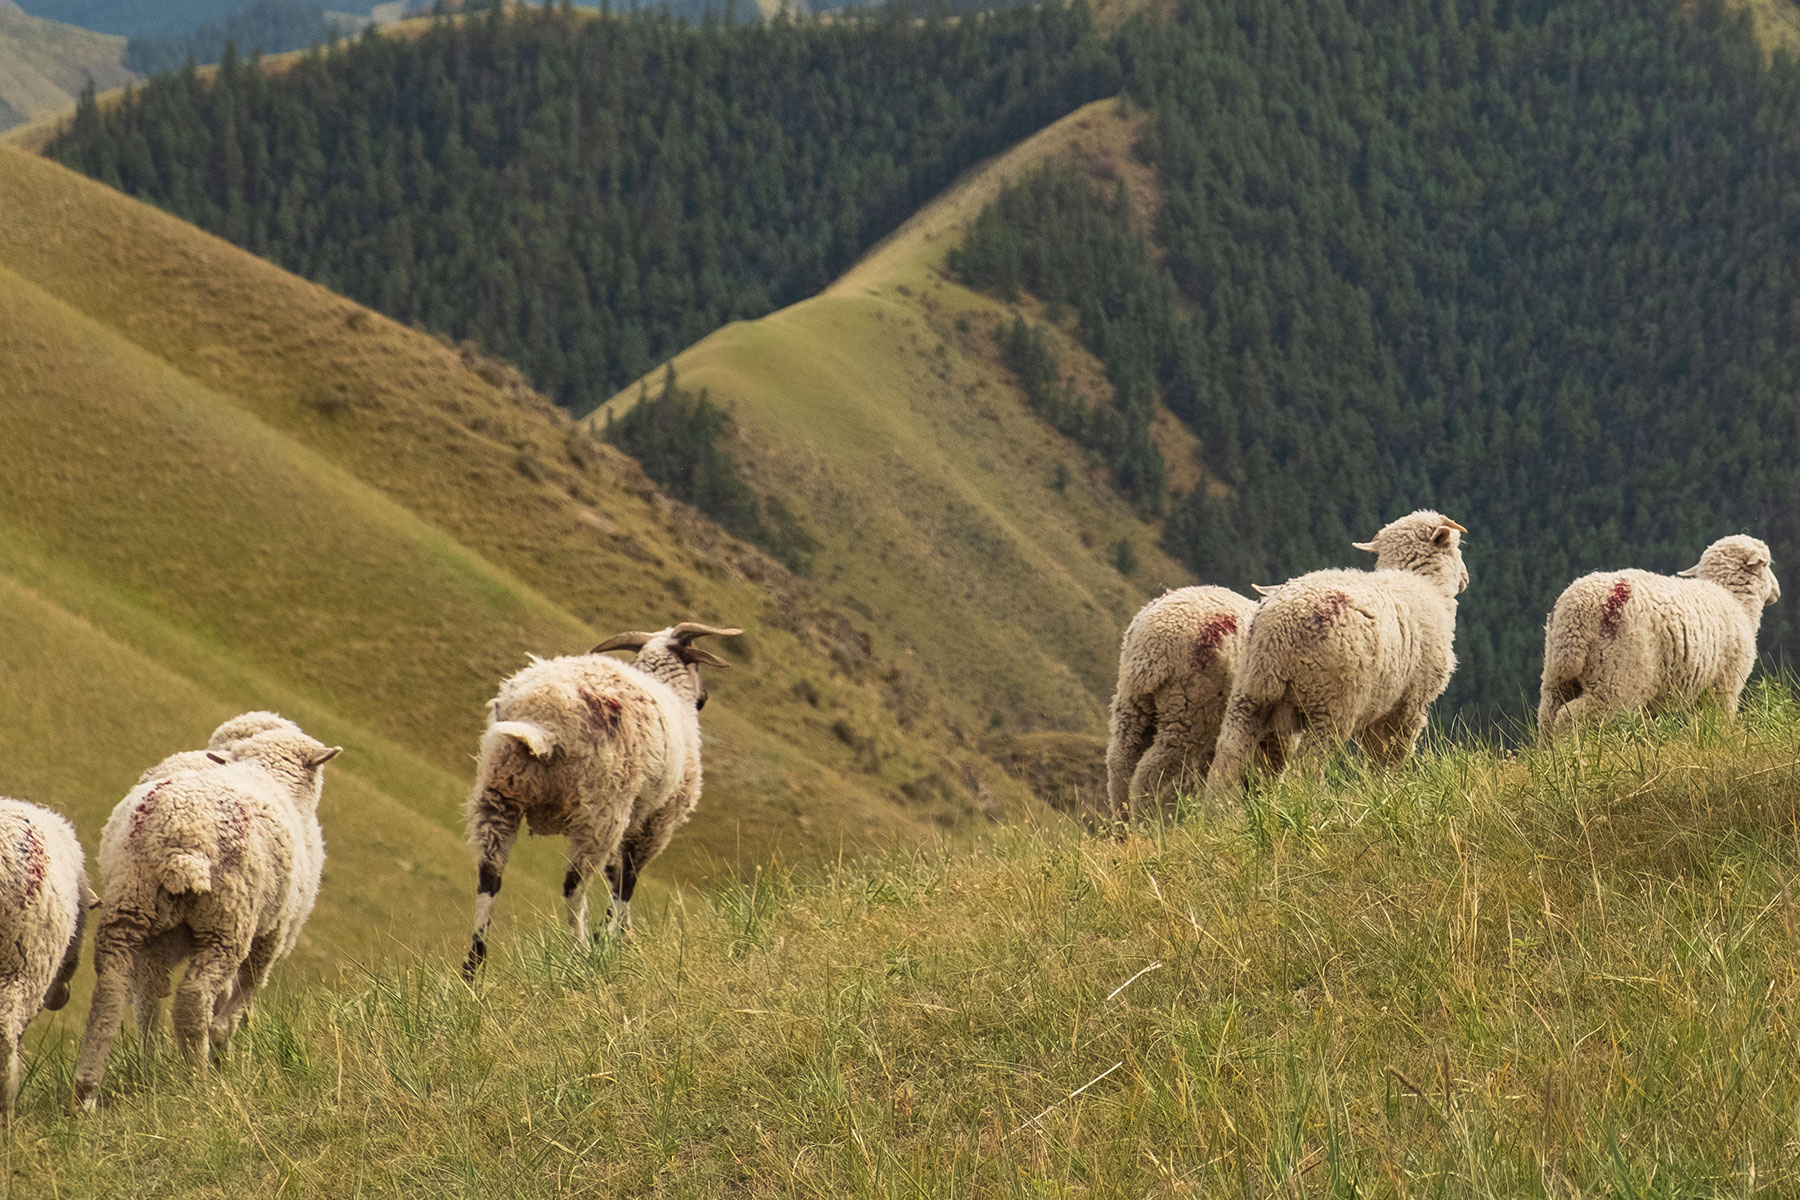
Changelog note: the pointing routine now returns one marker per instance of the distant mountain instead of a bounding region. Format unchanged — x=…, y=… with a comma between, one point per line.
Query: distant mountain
x=44, y=65
x=169, y=18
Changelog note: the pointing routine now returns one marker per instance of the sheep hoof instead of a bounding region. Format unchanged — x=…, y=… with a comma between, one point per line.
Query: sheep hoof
x=86, y=1098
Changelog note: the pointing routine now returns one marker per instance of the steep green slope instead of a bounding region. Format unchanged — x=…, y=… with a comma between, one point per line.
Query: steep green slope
x=969, y=533
x=1551, y=974
x=229, y=489
x=44, y=65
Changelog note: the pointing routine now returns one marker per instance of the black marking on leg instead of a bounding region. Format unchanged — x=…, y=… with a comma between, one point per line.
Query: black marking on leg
x=477, y=956
x=571, y=882
x=488, y=880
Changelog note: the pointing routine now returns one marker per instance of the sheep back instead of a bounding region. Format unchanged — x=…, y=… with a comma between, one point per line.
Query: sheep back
x=221, y=847
x=566, y=730
x=1638, y=639
x=1350, y=646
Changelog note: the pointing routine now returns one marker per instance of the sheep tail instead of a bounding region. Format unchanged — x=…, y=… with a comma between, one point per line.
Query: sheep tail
x=534, y=738
x=186, y=871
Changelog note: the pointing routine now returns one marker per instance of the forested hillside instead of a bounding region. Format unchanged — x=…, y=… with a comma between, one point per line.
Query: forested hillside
x=587, y=196
x=1525, y=262
x=1530, y=264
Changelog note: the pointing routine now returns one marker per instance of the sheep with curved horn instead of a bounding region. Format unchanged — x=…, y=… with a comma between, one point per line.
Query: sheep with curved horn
x=604, y=752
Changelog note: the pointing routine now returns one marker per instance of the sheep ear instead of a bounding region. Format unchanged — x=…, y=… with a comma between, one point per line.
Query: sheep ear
x=1269, y=589
x=1690, y=572
x=1369, y=546
x=699, y=654
x=320, y=758
x=1442, y=536
x=217, y=757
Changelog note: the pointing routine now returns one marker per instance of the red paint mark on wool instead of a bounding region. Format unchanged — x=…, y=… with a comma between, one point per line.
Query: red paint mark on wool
x=1330, y=608
x=141, y=813
x=235, y=831
x=36, y=862
x=1615, y=604
x=602, y=712
x=1212, y=634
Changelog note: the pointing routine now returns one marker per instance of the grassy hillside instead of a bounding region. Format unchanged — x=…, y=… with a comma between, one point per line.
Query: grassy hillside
x=44, y=65
x=970, y=534
x=228, y=488
x=1549, y=974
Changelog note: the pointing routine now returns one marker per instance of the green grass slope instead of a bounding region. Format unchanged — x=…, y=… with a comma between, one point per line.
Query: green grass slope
x=227, y=488
x=44, y=65
x=1544, y=974
x=877, y=412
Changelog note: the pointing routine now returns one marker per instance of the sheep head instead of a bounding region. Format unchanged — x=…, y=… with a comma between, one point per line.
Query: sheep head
x=1741, y=565
x=671, y=655
x=292, y=757
x=1425, y=542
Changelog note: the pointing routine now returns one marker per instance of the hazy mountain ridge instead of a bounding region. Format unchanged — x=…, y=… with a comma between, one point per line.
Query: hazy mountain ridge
x=44, y=65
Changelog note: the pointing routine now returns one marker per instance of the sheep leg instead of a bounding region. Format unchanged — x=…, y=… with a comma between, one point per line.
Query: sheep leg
x=250, y=977
x=575, y=893
x=1133, y=730
x=496, y=827
x=149, y=984
x=115, y=961
x=1391, y=740
x=1324, y=735
x=622, y=876
x=1243, y=728
x=216, y=960
x=58, y=994
x=15, y=1030
x=1170, y=765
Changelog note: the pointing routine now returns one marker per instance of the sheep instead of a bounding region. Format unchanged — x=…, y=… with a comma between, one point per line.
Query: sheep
x=1350, y=654
x=216, y=864
x=247, y=725
x=1176, y=664
x=1622, y=640
x=604, y=752
x=44, y=898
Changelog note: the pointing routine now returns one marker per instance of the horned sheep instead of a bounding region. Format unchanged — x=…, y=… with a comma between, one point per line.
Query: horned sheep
x=1176, y=666
x=43, y=871
x=604, y=752
x=1623, y=640
x=1334, y=655
x=215, y=859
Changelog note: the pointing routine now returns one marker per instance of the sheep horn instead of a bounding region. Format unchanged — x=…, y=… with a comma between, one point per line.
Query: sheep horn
x=687, y=631
x=1690, y=572
x=623, y=641
x=1454, y=525
x=699, y=654
x=1369, y=546
x=1263, y=589
x=321, y=757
